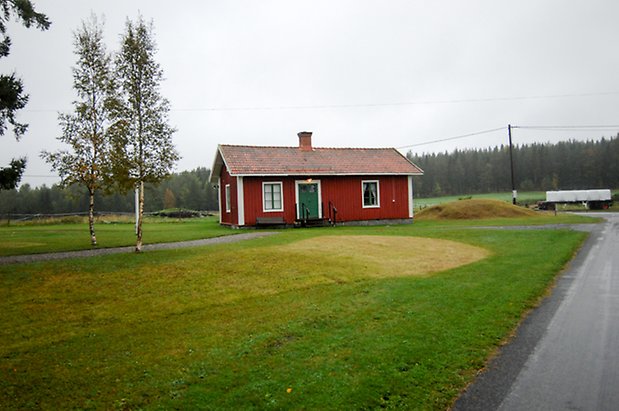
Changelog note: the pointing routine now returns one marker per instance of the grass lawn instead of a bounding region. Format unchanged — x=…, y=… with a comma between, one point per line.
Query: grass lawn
x=306, y=319
x=17, y=239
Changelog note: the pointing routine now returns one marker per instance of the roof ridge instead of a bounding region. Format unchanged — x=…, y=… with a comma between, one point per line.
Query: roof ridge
x=314, y=148
x=245, y=160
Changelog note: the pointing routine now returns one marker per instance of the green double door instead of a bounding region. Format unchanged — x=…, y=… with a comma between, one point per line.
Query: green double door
x=308, y=200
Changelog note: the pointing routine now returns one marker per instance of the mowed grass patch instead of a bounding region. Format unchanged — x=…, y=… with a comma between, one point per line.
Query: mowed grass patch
x=45, y=238
x=391, y=256
x=255, y=325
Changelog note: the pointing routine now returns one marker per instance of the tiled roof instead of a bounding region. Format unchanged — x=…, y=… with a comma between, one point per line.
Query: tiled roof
x=252, y=160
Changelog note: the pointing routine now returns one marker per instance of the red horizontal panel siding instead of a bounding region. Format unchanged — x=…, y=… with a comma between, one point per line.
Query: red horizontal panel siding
x=253, y=199
x=232, y=217
x=344, y=193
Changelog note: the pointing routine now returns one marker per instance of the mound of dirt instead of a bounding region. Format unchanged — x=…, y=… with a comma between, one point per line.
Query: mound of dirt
x=473, y=210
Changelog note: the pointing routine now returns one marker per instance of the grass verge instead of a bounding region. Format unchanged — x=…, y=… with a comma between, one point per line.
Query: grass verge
x=258, y=325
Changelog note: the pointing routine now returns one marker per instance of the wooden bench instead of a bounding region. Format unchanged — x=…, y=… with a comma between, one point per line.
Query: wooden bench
x=267, y=221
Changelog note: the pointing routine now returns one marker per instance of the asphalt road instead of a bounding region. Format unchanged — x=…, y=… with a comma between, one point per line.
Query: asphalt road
x=565, y=355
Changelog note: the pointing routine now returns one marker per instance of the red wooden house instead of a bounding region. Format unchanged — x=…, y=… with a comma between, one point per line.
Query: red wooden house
x=298, y=185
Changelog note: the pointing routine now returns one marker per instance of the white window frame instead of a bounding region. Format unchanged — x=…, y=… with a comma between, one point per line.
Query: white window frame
x=411, y=199
x=281, y=192
x=363, y=183
x=219, y=203
x=227, y=195
x=240, y=201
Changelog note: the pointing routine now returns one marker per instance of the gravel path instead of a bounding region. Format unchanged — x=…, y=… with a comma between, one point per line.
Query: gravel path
x=118, y=250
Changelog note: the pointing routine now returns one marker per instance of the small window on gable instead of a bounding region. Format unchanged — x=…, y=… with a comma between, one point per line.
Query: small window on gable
x=227, y=198
x=371, y=194
x=272, y=197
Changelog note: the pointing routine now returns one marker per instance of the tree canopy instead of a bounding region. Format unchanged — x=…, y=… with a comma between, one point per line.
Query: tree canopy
x=12, y=94
x=10, y=176
x=12, y=97
x=142, y=147
x=85, y=130
x=143, y=150
x=190, y=189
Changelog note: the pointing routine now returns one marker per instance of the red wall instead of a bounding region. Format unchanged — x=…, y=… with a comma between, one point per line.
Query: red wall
x=253, y=199
x=345, y=192
x=231, y=217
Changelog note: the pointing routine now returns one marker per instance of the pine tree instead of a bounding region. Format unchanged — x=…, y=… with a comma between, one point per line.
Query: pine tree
x=12, y=96
x=86, y=129
x=143, y=151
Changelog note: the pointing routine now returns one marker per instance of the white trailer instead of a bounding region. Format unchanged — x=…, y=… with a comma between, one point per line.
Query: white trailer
x=592, y=199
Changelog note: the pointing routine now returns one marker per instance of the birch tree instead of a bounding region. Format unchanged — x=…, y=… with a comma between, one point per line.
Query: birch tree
x=143, y=151
x=86, y=129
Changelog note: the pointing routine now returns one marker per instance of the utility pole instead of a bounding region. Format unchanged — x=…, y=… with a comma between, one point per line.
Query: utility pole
x=511, y=164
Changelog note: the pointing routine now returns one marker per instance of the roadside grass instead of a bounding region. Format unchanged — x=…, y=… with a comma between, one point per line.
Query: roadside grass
x=49, y=237
x=267, y=323
x=542, y=218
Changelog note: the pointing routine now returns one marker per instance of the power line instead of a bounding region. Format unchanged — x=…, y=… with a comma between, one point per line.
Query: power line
x=453, y=138
x=395, y=104
x=597, y=127
x=371, y=105
x=605, y=127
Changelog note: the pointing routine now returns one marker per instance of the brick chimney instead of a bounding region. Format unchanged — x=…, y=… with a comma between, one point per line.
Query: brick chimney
x=305, y=140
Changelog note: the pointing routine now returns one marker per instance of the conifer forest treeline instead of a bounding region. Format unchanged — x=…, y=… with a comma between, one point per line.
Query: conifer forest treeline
x=568, y=165
x=540, y=166
x=188, y=189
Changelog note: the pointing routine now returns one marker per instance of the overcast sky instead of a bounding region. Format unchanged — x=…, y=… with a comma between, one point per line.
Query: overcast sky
x=357, y=73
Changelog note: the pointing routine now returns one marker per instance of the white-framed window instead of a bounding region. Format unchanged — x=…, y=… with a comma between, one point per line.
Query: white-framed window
x=371, y=193
x=272, y=199
x=228, y=208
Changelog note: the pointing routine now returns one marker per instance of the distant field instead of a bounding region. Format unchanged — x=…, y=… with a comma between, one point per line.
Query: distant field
x=524, y=197
x=50, y=236
x=330, y=318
